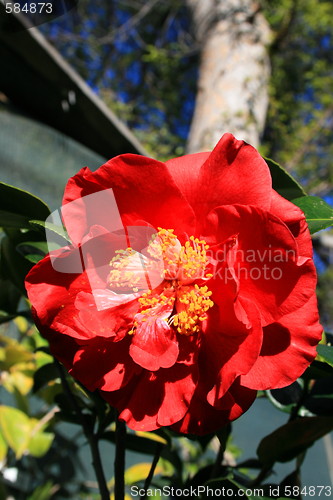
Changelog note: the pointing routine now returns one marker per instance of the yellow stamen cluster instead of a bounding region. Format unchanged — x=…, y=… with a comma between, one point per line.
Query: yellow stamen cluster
x=120, y=276
x=149, y=300
x=180, y=303
x=196, y=303
x=164, y=246
x=193, y=259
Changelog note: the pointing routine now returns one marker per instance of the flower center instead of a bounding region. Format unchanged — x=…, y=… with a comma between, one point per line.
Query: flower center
x=177, y=298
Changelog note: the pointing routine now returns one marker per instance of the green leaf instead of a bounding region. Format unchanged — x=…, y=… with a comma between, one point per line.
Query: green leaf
x=3, y=448
x=288, y=441
x=137, y=473
x=9, y=296
x=4, y=317
x=33, y=251
x=53, y=228
x=23, y=434
x=18, y=206
x=40, y=443
x=43, y=492
x=326, y=353
x=15, y=427
x=37, y=247
x=318, y=370
x=283, y=182
x=146, y=443
x=15, y=353
x=319, y=215
x=8, y=219
x=13, y=266
x=45, y=374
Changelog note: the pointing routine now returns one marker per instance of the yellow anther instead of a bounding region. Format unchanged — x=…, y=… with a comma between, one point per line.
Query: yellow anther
x=197, y=302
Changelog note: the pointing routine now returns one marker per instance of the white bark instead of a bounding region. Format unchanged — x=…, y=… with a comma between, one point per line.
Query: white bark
x=234, y=72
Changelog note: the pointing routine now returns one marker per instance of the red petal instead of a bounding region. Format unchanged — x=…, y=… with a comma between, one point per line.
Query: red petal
x=226, y=356
x=233, y=172
x=185, y=171
x=153, y=400
x=143, y=189
x=52, y=295
x=62, y=346
x=178, y=392
x=202, y=418
x=284, y=209
x=288, y=348
x=265, y=260
x=294, y=218
x=114, y=321
x=154, y=343
x=104, y=365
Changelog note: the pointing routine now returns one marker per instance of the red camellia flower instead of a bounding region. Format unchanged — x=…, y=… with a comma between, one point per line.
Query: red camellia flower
x=203, y=295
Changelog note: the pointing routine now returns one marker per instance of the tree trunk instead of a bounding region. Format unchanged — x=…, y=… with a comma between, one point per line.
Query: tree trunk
x=234, y=72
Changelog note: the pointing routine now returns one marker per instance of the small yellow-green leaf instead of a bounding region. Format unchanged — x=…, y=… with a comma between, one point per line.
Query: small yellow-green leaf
x=3, y=448
x=15, y=427
x=126, y=497
x=139, y=472
x=43, y=492
x=22, y=324
x=40, y=443
x=136, y=473
x=21, y=381
x=152, y=436
x=16, y=353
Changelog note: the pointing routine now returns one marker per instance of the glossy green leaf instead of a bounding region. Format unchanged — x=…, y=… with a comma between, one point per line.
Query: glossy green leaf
x=60, y=233
x=8, y=219
x=318, y=370
x=33, y=251
x=288, y=441
x=283, y=182
x=319, y=215
x=45, y=374
x=9, y=297
x=326, y=353
x=18, y=206
x=13, y=266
